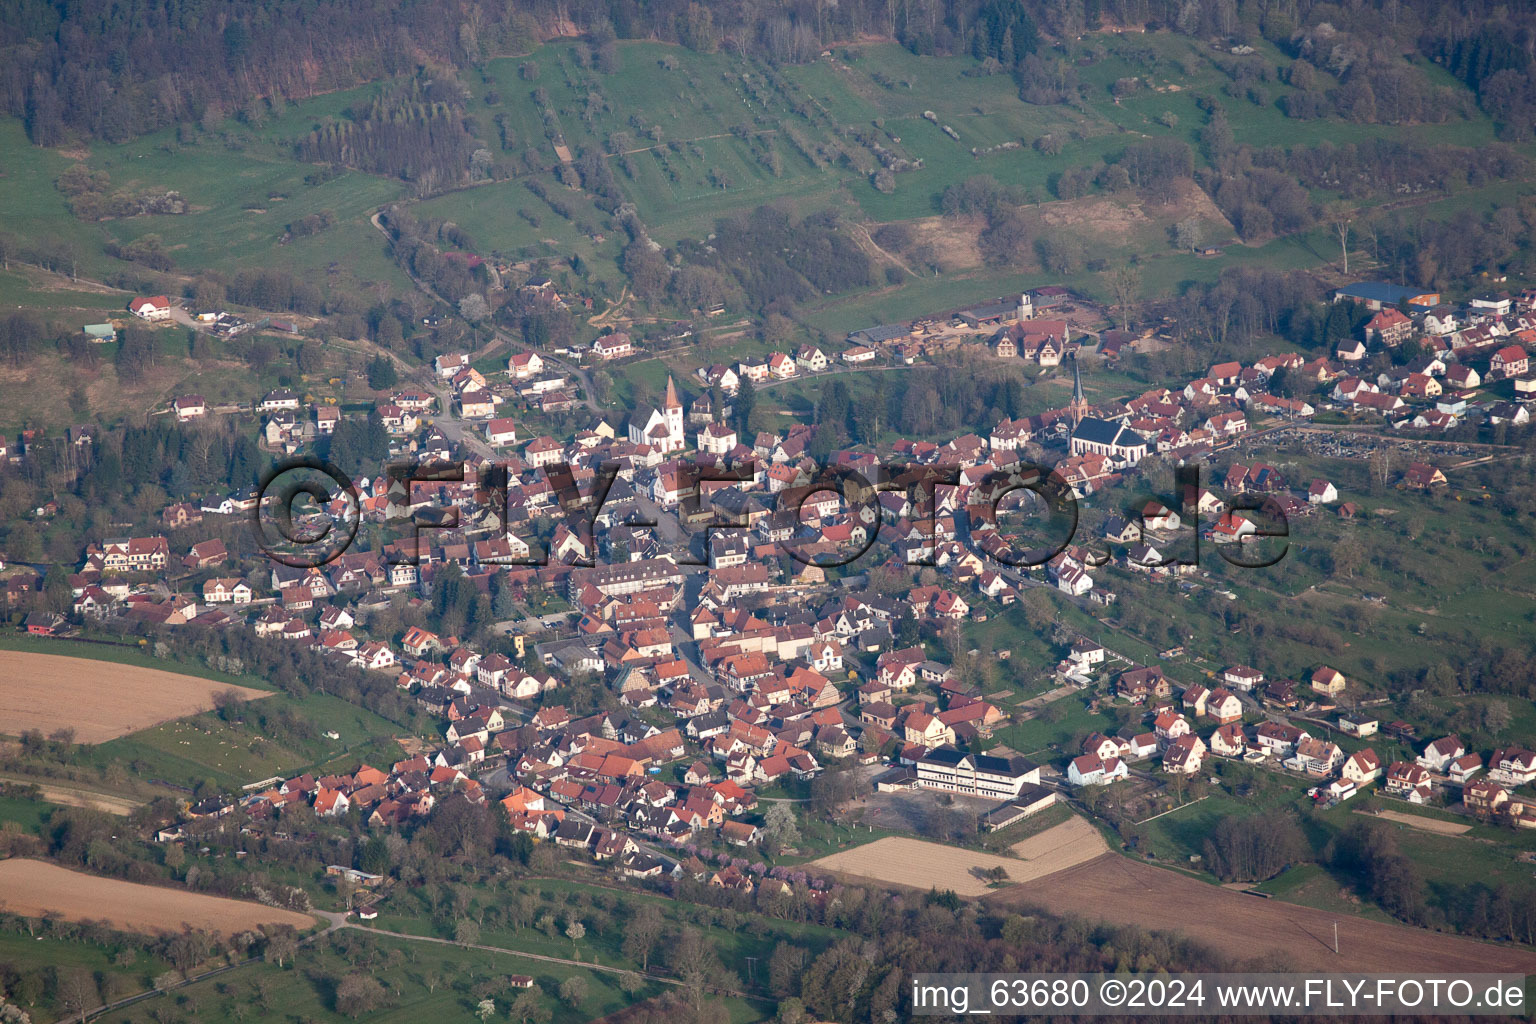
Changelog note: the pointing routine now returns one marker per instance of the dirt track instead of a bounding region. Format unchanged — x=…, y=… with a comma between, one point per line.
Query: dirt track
x=33, y=888
x=1270, y=932
x=1435, y=825
x=78, y=796
x=99, y=700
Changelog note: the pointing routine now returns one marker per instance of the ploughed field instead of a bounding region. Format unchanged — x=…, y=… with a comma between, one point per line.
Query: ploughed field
x=99, y=700
x=1246, y=928
x=897, y=860
x=33, y=888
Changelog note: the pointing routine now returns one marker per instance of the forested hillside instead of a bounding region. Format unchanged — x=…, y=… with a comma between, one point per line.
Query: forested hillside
x=118, y=70
x=784, y=161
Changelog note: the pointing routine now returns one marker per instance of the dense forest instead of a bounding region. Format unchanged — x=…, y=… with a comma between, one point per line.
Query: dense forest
x=116, y=71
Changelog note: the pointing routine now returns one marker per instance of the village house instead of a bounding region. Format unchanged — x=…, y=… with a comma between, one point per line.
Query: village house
x=1358, y=725
x=448, y=364
x=205, y=554
x=1350, y=350
x=1194, y=698
x=1361, y=767
x=1484, y=798
x=1408, y=782
x=418, y=642
x=523, y=365
x=151, y=307
x=1512, y=766
x=716, y=439
x=1422, y=476
x=613, y=346
x=1280, y=693
x=1229, y=741
x=543, y=451
x=1390, y=326
x=1510, y=361
x=279, y=400
x=41, y=623
x=476, y=404
x=1315, y=756
x=501, y=432
x=1242, y=677
x=1184, y=755
x=1461, y=377
x=811, y=359
x=1437, y=757
x=135, y=554
x=1322, y=492
x=227, y=590
x=189, y=407
x=1328, y=681
x=1169, y=725
x=1224, y=706
x=179, y=515
x=1462, y=769
x=1092, y=770
x=1278, y=739
x=1142, y=684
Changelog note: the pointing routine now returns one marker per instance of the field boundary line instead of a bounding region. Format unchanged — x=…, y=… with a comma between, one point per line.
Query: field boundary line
x=1170, y=810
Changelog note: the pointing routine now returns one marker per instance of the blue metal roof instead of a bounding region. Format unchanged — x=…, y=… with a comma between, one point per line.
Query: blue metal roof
x=1379, y=291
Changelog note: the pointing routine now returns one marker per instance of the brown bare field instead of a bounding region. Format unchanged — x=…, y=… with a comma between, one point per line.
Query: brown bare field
x=33, y=888
x=1444, y=828
x=917, y=864
x=99, y=700
x=1059, y=847
x=1271, y=932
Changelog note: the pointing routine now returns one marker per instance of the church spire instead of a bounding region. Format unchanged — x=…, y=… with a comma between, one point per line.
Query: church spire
x=671, y=402
x=1079, y=404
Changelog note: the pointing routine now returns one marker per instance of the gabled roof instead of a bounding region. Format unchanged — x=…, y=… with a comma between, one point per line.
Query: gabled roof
x=1107, y=432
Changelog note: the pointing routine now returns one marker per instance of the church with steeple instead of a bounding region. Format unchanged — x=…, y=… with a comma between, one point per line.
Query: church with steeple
x=662, y=428
x=1115, y=441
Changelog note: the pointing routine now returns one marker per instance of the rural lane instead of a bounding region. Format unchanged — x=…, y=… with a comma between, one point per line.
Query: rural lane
x=338, y=922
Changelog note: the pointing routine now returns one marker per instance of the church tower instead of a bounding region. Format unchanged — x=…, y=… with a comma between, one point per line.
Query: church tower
x=1079, y=406
x=672, y=411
